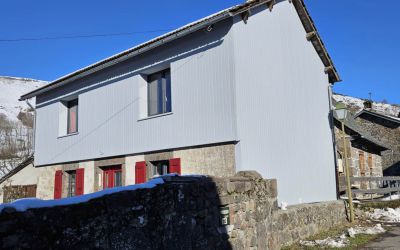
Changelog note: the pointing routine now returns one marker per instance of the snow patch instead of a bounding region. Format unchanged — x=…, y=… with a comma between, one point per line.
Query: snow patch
x=11, y=90
x=377, y=229
x=284, y=205
x=342, y=240
x=385, y=215
x=28, y=203
x=391, y=197
x=337, y=242
x=358, y=105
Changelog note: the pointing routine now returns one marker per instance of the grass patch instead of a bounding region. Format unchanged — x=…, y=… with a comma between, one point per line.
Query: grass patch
x=354, y=243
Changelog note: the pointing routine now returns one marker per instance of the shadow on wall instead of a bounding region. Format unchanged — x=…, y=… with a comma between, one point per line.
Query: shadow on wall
x=182, y=213
x=393, y=170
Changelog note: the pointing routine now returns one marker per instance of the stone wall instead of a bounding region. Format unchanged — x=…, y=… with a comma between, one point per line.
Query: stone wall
x=182, y=213
x=389, y=136
x=302, y=221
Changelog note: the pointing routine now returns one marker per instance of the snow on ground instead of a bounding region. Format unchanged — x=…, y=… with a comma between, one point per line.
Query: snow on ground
x=342, y=240
x=391, y=197
x=385, y=215
x=337, y=242
x=377, y=229
x=358, y=104
x=27, y=203
x=11, y=88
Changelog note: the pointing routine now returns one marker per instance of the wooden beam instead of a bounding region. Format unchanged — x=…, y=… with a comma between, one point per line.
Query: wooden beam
x=271, y=4
x=245, y=16
x=311, y=35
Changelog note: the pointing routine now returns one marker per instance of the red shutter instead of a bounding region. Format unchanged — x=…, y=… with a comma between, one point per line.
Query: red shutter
x=140, y=172
x=80, y=176
x=175, y=165
x=58, y=184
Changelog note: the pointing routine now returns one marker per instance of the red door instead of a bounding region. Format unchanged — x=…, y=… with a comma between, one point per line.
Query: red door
x=79, y=181
x=140, y=172
x=112, y=177
x=175, y=165
x=58, y=184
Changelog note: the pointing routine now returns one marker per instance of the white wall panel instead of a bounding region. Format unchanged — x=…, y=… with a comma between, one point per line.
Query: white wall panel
x=282, y=106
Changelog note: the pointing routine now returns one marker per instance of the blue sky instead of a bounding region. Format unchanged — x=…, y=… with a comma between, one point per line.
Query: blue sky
x=361, y=36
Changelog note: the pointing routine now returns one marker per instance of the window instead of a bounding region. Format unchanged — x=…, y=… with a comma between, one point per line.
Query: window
x=160, y=167
x=112, y=177
x=361, y=162
x=72, y=123
x=159, y=93
x=71, y=183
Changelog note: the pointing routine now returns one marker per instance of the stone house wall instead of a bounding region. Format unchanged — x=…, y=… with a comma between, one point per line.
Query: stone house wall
x=182, y=213
x=389, y=136
x=217, y=160
x=372, y=162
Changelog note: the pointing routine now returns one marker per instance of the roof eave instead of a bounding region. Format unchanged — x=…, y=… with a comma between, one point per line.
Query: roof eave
x=189, y=28
x=314, y=37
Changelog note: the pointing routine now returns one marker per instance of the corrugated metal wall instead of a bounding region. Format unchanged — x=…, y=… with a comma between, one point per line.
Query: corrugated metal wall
x=109, y=125
x=282, y=106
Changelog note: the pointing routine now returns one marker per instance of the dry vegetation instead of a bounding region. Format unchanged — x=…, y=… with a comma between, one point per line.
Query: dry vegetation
x=16, y=139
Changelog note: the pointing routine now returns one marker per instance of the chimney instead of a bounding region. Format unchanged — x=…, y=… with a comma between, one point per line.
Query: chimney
x=368, y=104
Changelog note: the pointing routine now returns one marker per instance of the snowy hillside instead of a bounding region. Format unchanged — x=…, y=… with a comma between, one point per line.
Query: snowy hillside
x=11, y=88
x=356, y=104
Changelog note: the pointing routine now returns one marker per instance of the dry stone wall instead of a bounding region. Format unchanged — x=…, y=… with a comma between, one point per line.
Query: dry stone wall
x=238, y=212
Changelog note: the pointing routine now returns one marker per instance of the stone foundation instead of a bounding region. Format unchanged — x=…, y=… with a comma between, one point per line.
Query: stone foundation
x=238, y=212
x=215, y=160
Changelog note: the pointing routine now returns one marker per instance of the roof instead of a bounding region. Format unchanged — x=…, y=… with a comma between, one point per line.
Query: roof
x=360, y=134
x=308, y=24
x=22, y=165
x=391, y=119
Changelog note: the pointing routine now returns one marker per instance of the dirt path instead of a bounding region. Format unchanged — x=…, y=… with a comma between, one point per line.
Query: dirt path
x=389, y=240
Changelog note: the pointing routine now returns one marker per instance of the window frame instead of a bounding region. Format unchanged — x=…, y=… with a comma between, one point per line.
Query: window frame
x=71, y=189
x=69, y=105
x=109, y=176
x=164, y=93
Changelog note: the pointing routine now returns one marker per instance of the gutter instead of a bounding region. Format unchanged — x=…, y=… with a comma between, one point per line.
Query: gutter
x=34, y=125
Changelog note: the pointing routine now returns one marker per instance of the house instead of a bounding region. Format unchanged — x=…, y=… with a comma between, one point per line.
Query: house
x=247, y=88
x=387, y=130
x=19, y=182
x=363, y=151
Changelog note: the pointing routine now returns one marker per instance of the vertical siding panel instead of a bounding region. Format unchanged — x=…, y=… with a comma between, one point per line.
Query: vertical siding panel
x=282, y=106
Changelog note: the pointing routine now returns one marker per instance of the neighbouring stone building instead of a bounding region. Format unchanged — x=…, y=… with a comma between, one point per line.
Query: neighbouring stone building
x=192, y=212
x=386, y=129
x=364, y=152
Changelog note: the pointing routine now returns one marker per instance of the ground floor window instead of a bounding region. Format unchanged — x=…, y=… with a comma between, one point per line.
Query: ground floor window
x=112, y=177
x=160, y=167
x=71, y=183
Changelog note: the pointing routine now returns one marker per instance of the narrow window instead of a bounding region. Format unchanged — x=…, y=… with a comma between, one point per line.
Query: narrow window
x=370, y=164
x=72, y=125
x=362, y=162
x=71, y=183
x=159, y=93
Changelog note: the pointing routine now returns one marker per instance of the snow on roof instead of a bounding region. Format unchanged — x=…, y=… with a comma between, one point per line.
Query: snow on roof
x=29, y=203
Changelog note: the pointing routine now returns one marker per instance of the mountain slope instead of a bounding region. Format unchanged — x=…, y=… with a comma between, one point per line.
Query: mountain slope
x=16, y=122
x=356, y=104
x=11, y=88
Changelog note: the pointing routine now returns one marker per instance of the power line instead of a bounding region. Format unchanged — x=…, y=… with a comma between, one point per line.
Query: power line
x=80, y=36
